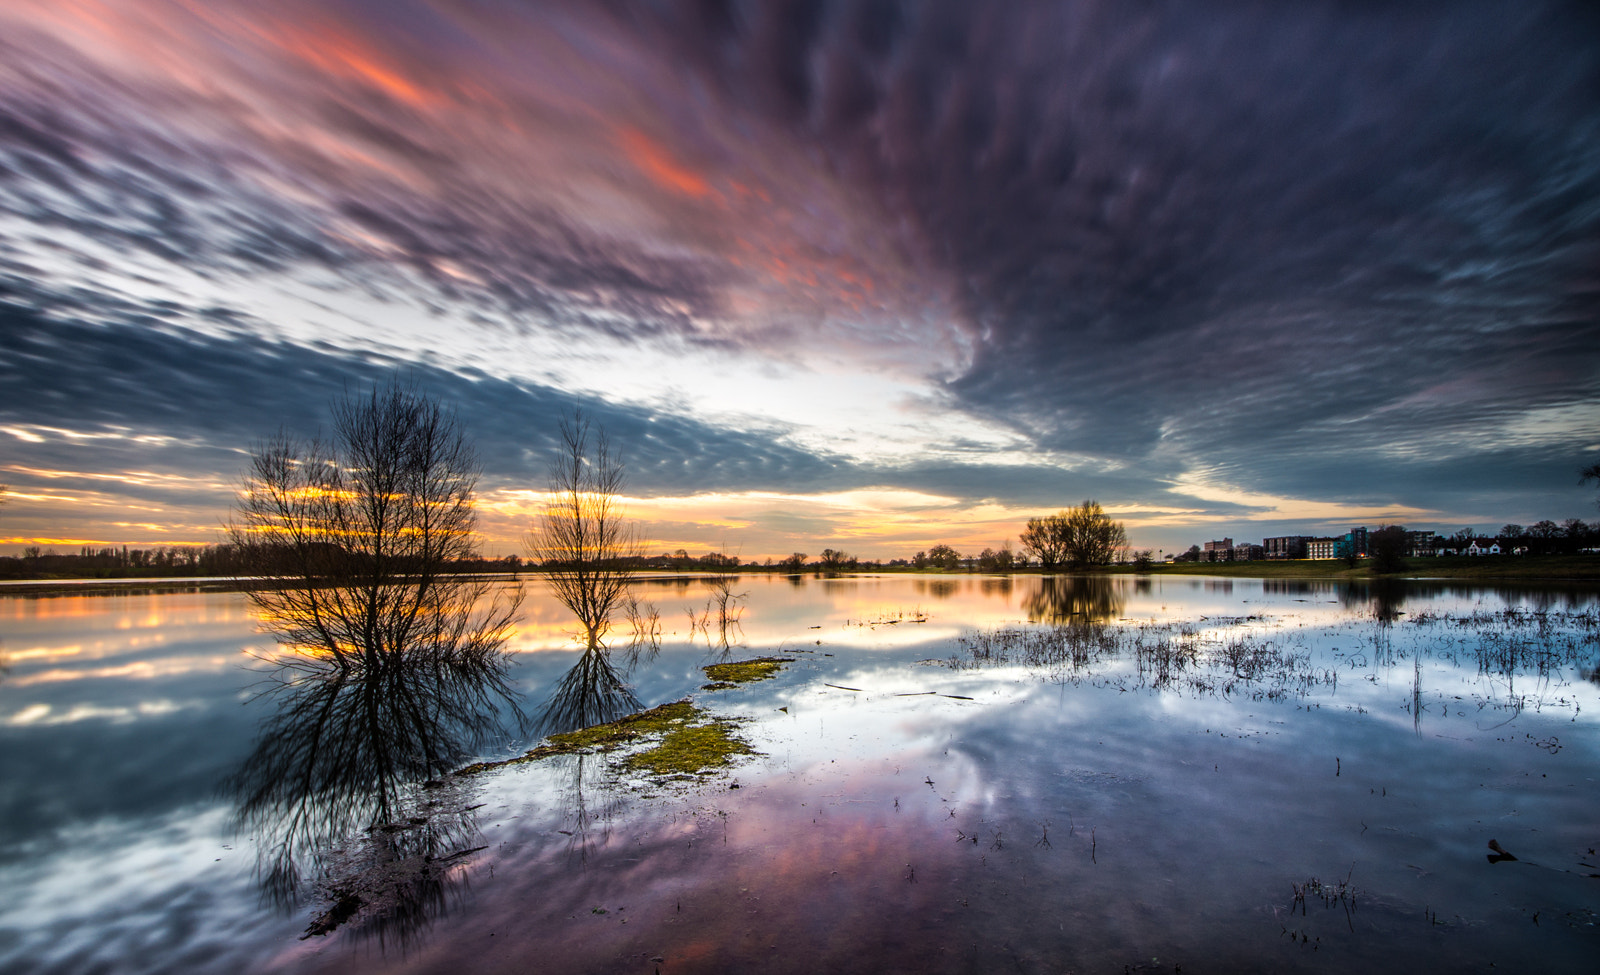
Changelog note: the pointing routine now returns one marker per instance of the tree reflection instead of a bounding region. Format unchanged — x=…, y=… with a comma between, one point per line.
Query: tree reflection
x=1060, y=599
x=341, y=755
x=937, y=588
x=592, y=692
x=393, y=664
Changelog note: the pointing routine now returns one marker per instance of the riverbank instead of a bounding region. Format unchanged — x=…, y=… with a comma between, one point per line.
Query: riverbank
x=1503, y=568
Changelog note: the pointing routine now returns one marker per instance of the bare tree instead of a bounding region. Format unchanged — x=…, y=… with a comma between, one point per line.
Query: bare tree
x=1043, y=539
x=1590, y=473
x=582, y=538
x=1080, y=536
x=728, y=604
x=348, y=546
x=1092, y=537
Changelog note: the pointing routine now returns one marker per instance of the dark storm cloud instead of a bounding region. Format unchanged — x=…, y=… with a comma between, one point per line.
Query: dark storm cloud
x=1227, y=230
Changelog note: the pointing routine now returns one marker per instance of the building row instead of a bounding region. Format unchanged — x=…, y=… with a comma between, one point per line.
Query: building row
x=1419, y=544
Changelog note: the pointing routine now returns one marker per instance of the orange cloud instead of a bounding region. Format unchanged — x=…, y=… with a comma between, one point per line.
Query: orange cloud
x=654, y=161
x=343, y=55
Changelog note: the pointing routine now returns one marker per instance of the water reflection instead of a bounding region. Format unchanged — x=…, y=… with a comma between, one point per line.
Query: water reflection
x=343, y=753
x=1061, y=599
x=998, y=586
x=593, y=692
x=589, y=803
x=1227, y=707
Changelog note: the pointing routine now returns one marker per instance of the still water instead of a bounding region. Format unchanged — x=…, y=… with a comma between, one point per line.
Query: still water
x=958, y=773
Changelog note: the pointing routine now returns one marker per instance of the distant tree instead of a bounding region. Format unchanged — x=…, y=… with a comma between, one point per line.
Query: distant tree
x=1464, y=536
x=996, y=560
x=1044, y=539
x=833, y=560
x=942, y=556
x=1574, y=534
x=920, y=560
x=1078, y=537
x=1544, y=537
x=1142, y=559
x=1092, y=538
x=1388, y=548
x=1512, y=531
x=795, y=562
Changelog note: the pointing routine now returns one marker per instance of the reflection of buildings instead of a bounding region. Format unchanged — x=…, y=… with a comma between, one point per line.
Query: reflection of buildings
x=1060, y=599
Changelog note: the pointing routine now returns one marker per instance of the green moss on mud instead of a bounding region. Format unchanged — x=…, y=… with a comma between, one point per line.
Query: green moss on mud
x=724, y=676
x=691, y=742
x=692, y=749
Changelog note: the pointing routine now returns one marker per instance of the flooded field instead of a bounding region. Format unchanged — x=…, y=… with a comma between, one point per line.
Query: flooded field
x=959, y=773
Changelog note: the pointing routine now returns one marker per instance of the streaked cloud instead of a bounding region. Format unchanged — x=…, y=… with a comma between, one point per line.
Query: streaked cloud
x=1210, y=264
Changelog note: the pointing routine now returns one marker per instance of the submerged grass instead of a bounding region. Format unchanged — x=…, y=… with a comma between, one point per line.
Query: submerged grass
x=689, y=742
x=1163, y=655
x=738, y=672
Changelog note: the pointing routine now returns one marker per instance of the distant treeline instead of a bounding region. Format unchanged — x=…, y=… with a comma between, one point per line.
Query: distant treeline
x=224, y=561
x=166, y=560
x=1548, y=538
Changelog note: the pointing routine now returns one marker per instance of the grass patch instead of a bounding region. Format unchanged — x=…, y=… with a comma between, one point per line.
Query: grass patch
x=692, y=749
x=690, y=742
x=738, y=672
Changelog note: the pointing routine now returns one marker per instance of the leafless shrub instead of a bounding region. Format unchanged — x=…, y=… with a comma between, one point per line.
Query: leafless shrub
x=582, y=539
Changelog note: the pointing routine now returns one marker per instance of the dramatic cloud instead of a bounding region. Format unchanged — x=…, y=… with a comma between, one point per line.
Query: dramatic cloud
x=1215, y=263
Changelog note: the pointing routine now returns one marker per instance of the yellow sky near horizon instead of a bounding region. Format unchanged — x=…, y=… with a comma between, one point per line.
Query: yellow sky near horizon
x=881, y=523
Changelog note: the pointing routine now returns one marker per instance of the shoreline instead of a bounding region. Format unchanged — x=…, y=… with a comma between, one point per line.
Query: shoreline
x=1530, y=569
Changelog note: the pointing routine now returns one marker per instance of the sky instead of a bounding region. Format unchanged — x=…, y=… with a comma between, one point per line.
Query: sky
x=858, y=274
